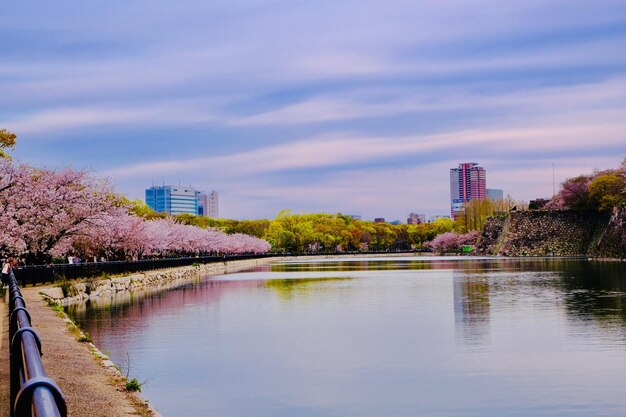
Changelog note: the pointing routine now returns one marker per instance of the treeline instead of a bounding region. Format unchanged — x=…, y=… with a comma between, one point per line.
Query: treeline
x=600, y=191
x=322, y=232
x=475, y=213
x=50, y=214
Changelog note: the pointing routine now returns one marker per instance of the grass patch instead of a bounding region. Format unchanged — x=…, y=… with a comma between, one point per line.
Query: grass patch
x=56, y=307
x=133, y=384
x=84, y=338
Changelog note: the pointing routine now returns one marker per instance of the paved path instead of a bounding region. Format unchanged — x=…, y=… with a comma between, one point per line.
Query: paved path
x=4, y=360
x=89, y=389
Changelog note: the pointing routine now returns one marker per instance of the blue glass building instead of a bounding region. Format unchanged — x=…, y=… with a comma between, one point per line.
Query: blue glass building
x=172, y=199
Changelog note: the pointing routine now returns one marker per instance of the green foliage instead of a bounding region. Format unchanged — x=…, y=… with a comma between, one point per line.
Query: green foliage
x=141, y=209
x=7, y=140
x=256, y=228
x=133, y=384
x=599, y=192
x=68, y=288
x=56, y=307
x=476, y=212
x=323, y=232
x=84, y=338
x=607, y=191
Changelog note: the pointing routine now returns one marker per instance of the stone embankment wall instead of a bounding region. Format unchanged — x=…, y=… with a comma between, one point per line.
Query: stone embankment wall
x=161, y=279
x=491, y=236
x=610, y=240
x=539, y=233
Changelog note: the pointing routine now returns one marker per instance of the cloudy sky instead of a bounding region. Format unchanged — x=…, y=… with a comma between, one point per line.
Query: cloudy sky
x=344, y=105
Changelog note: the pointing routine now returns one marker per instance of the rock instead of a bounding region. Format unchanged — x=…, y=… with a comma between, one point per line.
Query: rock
x=54, y=292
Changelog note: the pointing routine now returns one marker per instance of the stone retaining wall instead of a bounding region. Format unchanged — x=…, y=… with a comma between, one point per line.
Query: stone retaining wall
x=539, y=233
x=611, y=239
x=490, y=239
x=161, y=279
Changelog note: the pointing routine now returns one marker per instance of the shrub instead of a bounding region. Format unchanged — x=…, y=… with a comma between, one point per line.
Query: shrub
x=133, y=384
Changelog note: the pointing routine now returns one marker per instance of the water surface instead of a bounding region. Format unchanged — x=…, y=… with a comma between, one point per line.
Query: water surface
x=378, y=337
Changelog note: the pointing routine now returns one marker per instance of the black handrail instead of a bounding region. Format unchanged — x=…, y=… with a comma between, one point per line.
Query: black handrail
x=33, y=393
x=37, y=274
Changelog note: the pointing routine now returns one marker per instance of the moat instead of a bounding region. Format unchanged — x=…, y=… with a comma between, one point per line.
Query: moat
x=427, y=336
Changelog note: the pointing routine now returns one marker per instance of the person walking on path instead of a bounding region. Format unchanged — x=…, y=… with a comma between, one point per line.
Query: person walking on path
x=6, y=270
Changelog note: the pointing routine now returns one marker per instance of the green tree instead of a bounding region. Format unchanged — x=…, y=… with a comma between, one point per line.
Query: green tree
x=141, y=209
x=7, y=141
x=607, y=191
x=476, y=212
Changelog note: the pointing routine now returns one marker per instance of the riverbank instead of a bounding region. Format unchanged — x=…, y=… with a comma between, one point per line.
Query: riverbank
x=91, y=384
x=102, y=289
x=98, y=288
x=89, y=388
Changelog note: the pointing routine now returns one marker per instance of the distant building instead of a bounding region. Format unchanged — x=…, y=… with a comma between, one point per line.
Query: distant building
x=467, y=183
x=379, y=220
x=172, y=199
x=415, y=218
x=495, y=194
x=437, y=217
x=355, y=216
x=208, y=204
x=395, y=222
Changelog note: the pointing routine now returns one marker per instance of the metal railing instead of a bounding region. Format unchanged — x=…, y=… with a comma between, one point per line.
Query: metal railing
x=36, y=274
x=33, y=394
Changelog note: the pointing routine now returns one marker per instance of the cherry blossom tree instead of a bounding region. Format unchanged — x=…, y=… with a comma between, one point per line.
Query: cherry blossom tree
x=44, y=207
x=122, y=235
x=450, y=242
x=47, y=213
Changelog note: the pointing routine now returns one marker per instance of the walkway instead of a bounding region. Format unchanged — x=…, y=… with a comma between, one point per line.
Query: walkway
x=88, y=388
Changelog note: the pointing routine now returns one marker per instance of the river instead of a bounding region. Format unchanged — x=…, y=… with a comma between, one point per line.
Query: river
x=405, y=336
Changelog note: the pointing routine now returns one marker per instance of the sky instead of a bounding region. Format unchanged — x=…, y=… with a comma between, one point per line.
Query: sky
x=352, y=106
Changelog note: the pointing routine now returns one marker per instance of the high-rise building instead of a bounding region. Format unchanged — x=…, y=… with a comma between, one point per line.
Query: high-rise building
x=467, y=182
x=172, y=199
x=415, y=218
x=495, y=194
x=208, y=204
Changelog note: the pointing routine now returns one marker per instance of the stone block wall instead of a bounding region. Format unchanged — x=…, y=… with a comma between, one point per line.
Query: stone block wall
x=539, y=233
x=489, y=242
x=160, y=279
x=610, y=241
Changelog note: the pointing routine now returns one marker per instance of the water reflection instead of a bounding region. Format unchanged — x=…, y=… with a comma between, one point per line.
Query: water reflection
x=370, y=337
x=288, y=288
x=471, y=307
x=596, y=291
x=468, y=264
x=126, y=313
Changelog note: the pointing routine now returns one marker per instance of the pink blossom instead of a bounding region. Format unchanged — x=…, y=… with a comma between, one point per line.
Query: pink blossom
x=48, y=213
